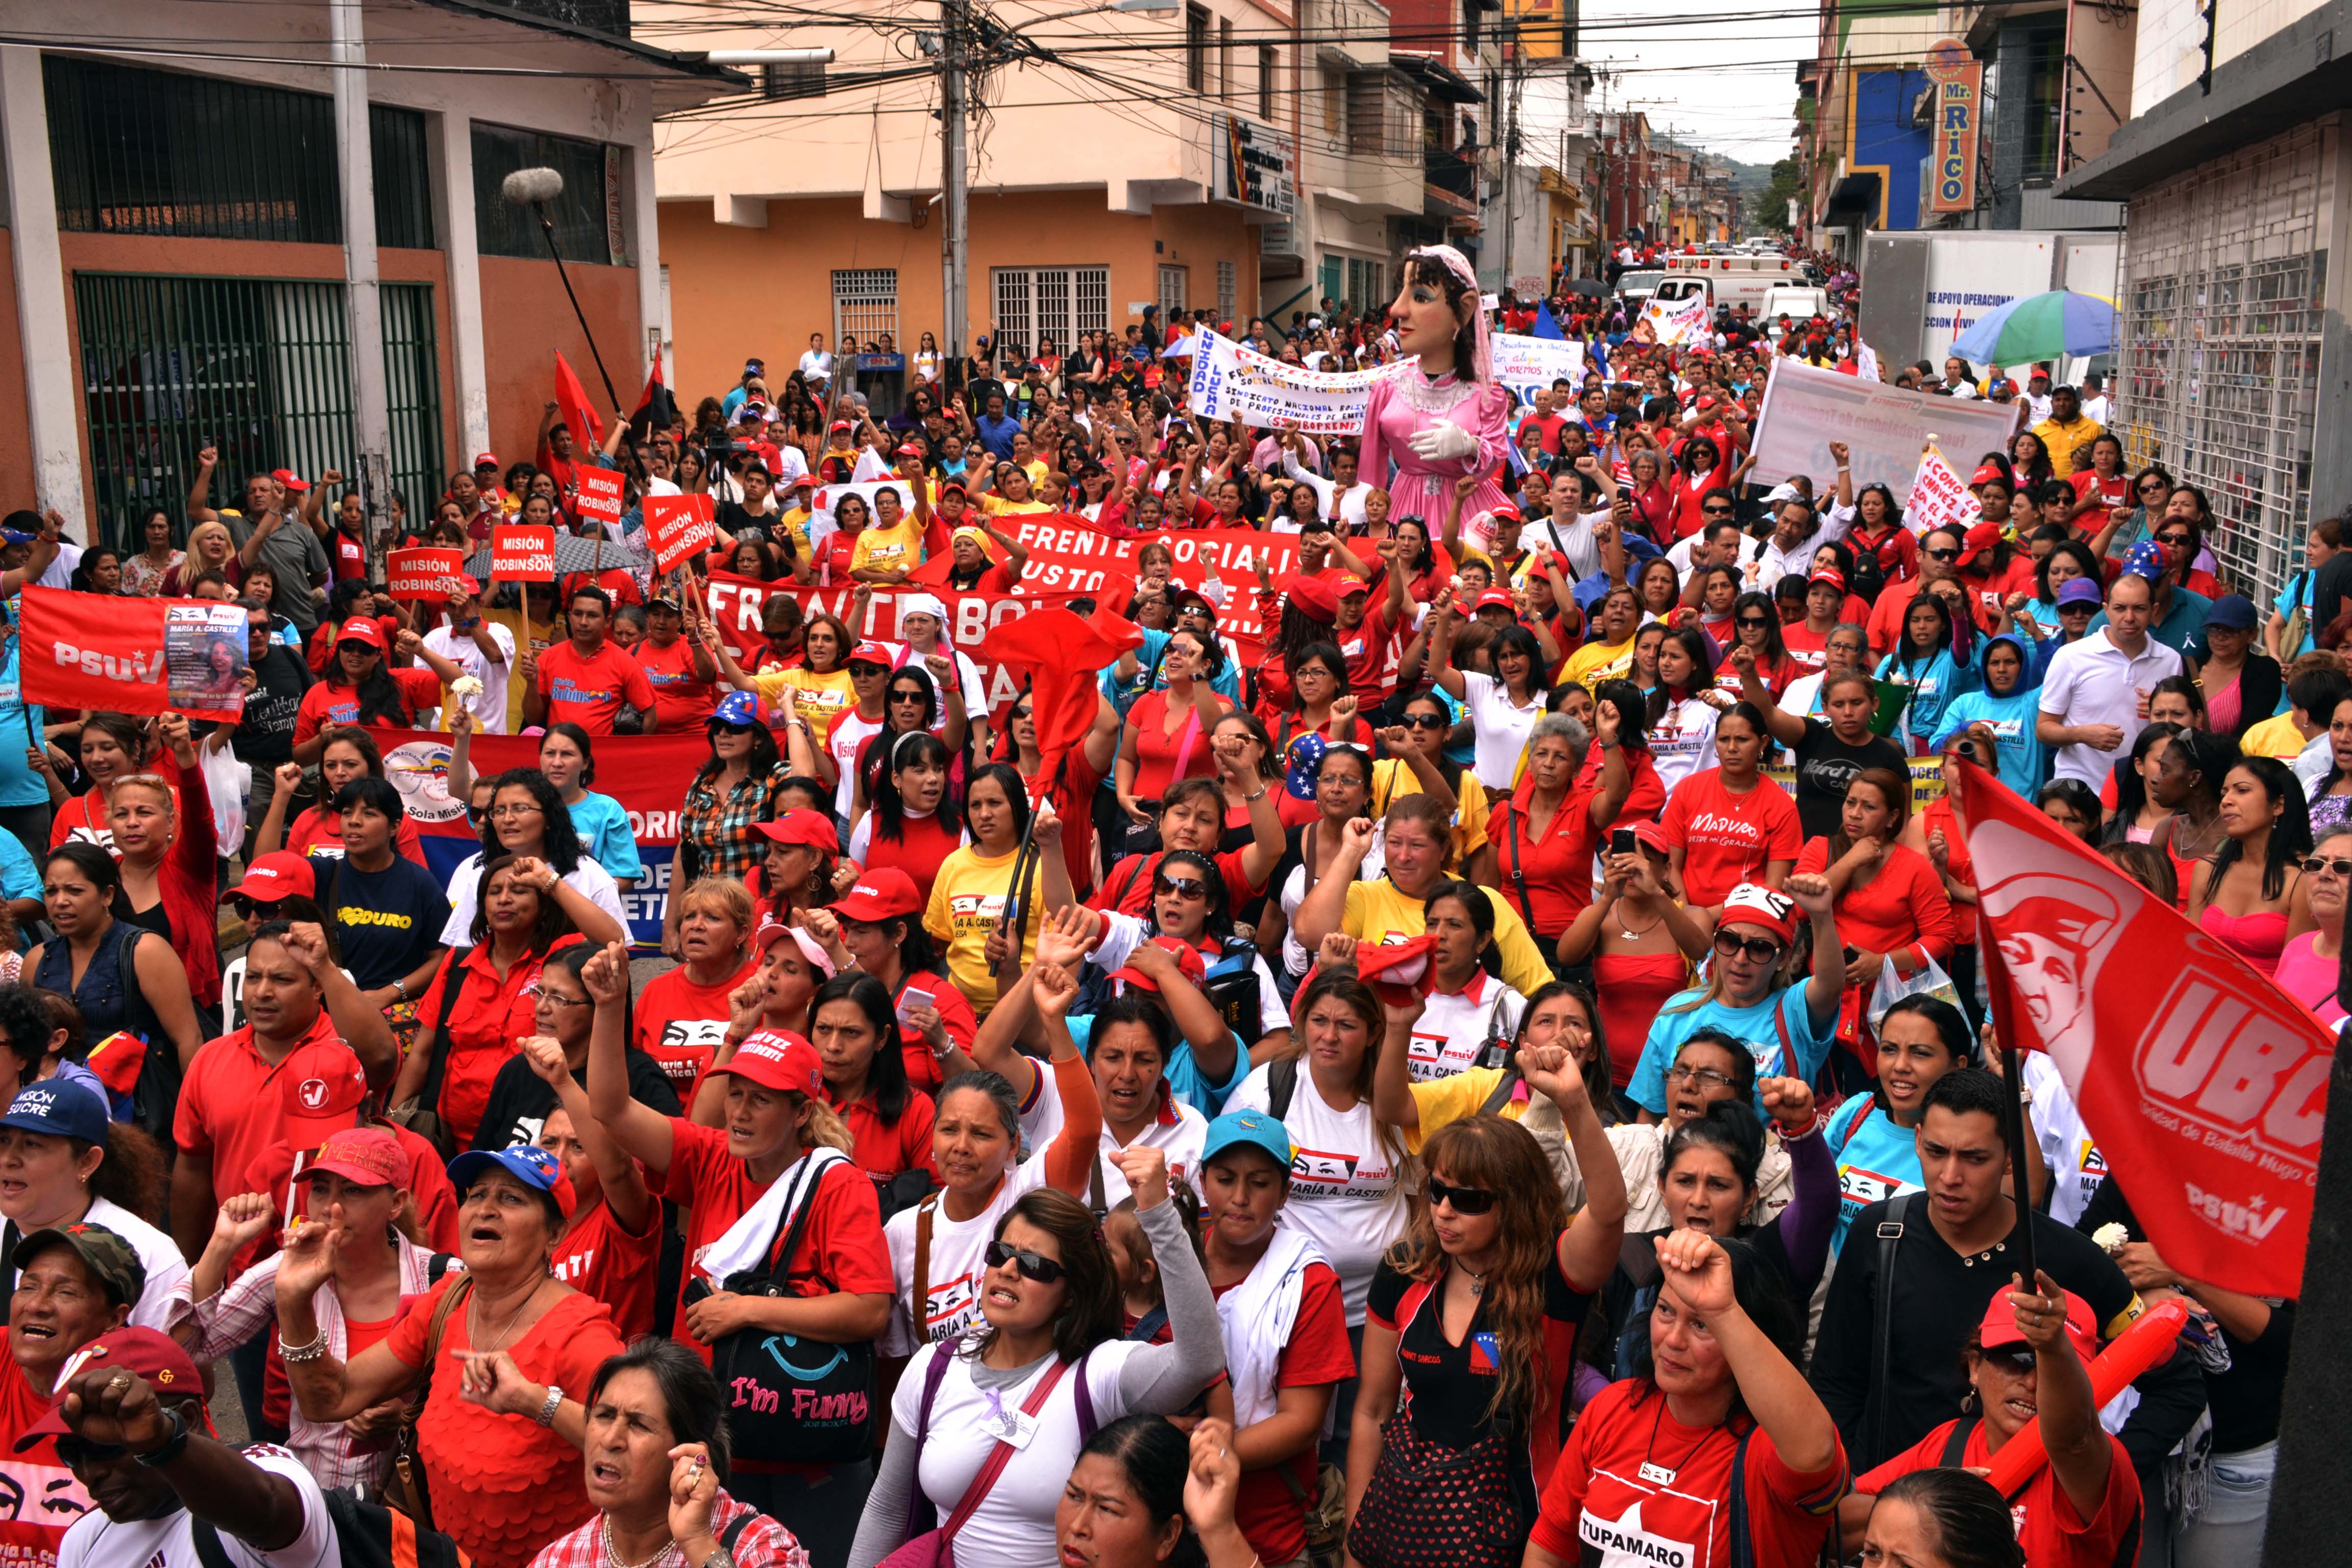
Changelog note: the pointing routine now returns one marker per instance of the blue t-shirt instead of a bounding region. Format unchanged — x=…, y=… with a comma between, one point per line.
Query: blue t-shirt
x=1876, y=1158
x=19, y=784
x=1226, y=683
x=1185, y=1079
x=1934, y=684
x=2298, y=592
x=1753, y=1024
x=2023, y=758
x=602, y=825
x=996, y=435
x=19, y=877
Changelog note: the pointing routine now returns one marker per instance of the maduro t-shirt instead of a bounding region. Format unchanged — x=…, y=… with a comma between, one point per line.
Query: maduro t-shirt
x=387, y=921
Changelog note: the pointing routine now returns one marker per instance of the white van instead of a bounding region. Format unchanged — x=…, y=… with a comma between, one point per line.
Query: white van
x=1735, y=280
x=1798, y=302
x=1638, y=285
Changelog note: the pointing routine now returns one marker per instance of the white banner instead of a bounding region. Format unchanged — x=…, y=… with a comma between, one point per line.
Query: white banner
x=829, y=496
x=1676, y=322
x=1528, y=365
x=1231, y=382
x=1883, y=427
x=1938, y=498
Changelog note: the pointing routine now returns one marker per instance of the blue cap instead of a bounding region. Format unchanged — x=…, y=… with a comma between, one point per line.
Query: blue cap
x=2078, y=591
x=740, y=708
x=2234, y=612
x=2145, y=559
x=60, y=1109
x=1306, y=762
x=532, y=1166
x=1252, y=1129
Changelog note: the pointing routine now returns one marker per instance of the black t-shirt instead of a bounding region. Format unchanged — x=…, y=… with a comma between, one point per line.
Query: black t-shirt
x=736, y=523
x=521, y=1100
x=265, y=735
x=386, y=922
x=1939, y=1300
x=1631, y=1286
x=1826, y=765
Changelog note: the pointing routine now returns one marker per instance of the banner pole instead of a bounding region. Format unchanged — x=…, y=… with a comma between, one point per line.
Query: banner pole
x=2012, y=1108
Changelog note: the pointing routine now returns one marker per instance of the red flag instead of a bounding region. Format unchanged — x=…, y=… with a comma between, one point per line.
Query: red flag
x=1062, y=654
x=2204, y=1084
x=655, y=405
x=572, y=402
x=131, y=655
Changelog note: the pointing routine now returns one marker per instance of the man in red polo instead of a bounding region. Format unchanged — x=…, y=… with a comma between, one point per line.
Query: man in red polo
x=587, y=679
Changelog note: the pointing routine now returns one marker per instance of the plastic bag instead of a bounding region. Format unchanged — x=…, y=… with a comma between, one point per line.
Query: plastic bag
x=1929, y=980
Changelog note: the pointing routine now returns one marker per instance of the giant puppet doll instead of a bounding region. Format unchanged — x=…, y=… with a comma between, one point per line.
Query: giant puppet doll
x=1443, y=418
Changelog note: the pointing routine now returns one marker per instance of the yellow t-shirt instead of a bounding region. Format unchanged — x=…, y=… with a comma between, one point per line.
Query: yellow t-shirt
x=1380, y=913
x=795, y=523
x=1391, y=778
x=1597, y=662
x=995, y=505
x=530, y=636
x=1036, y=468
x=1456, y=1095
x=899, y=549
x=967, y=898
x=819, y=700
x=2275, y=738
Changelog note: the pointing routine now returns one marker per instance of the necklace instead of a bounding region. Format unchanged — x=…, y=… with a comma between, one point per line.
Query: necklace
x=613, y=1558
x=512, y=1318
x=1660, y=1475
x=1477, y=1281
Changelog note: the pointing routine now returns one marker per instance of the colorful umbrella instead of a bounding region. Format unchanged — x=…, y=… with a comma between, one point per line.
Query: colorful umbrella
x=2042, y=326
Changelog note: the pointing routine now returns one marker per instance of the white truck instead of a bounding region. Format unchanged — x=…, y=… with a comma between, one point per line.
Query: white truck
x=1922, y=289
x=1735, y=280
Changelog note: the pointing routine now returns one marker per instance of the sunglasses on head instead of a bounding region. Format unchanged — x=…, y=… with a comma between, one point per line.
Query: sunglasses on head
x=1034, y=1267
x=1465, y=1200
x=1759, y=948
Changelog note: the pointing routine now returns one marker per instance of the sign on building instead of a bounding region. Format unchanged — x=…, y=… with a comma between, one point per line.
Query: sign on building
x=1958, y=81
x=1252, y=166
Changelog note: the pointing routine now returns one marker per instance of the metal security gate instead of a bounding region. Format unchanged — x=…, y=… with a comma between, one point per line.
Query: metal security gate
x=259, y=369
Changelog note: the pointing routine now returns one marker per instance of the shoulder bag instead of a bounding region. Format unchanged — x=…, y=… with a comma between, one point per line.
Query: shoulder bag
x=422, y=1115
x=936, y=1548
x=797, y=1401
x=405, y=1491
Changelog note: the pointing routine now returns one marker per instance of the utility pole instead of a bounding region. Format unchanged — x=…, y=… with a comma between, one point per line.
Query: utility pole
x=954, y=196
x=1510, y=149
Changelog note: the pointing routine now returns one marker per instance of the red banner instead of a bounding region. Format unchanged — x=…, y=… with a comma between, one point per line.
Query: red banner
x=130, y=655
x=579, y=415
x=600, y=495
x=2204, y=1084
x=735, y=610
x=681, y=526
x=423, y=574
x=1068, y=554
x=524, y=552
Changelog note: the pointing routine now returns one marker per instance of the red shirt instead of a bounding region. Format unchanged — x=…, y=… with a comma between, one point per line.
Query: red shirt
x=1551, y=425
x=924, y=842
x=1726, y=838
x=49, y=1498
x=886, y=1147
x=330, y=703
x=1127, y=888
x=350, y=556
x=599, y=1258
x=2049, y=1528
x=1317, y=1353
x=682, y=699
x=1372, y=648
x=490, y=1016
x=1601, y=1498
x=1990, y=590
x=1897, y=550
x=1905, y=907
x=321, y=833
x=955, y=1017
x=587, y=691
x=842, y=1249
x=681, y=1024
x=1546, y=876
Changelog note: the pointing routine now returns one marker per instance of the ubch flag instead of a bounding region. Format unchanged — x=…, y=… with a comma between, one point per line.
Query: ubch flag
x=2204, y=1084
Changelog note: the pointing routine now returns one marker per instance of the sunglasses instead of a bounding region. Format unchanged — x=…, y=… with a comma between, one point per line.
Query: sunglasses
x=1754, y=621
x=1034, y=1267
x=248, y=909
x=2152, y=487
x=2016, y=1360
x=1427, y=721
x=2181, y=540
x=906, y=695
x=2314, y=864
x=1182, y=886
x=1716, y=511
x=1465, y=1200
x=79, y=1452
x=1759, y=948
x=1943, y=554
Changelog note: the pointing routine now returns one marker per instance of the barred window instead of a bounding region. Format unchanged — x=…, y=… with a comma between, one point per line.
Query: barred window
x=588, y=225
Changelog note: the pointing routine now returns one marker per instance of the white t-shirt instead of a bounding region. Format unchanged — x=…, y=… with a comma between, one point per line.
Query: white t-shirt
x=817, y=365
x=589, y=880
x=1179, y=1130
x=975, y=689
x=849, y=732
x=2076, y=1167
x=97, y=1542
x=1014, y=1526
x=1682, y=743
x=951, y=1295
x=1346, y=1193
x=490, y=705
x=1501, y=727
x=1454, y=1027
x=1295, y=958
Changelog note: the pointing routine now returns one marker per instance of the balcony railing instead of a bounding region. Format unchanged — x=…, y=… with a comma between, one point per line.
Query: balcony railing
x=1450, y=173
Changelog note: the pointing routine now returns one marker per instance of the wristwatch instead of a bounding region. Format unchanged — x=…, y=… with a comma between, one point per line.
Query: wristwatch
x=174, y=1445
x=721, y=1558
x=546, y=1417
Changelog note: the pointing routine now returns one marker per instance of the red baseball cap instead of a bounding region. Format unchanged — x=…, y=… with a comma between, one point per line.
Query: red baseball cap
x=323, y=1086
x=803, y=827
x=780, y=1059
x=1987, y=473
x=1314, y=599
x=884, y=893
x=870, y=653
x=372, y=1156
x=361, y=629
x=804, y=481
x=157, y=1357
x=1497, y=596
x=281, y=874
x=910, y=450
x=1348, y=583
x=487, y=460
x=1830, y=575
x=290, y=478
x=1650, y=836
x=1753, y=904
x=1999, y=1325
x=1401, y=969
x=1188, y=961
x=1981, y=538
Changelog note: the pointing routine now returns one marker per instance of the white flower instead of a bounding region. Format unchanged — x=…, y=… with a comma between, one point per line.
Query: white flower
x=465, y=685
x=2111, y=1237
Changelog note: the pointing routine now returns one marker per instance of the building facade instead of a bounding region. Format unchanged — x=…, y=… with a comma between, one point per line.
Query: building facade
x=228, y=255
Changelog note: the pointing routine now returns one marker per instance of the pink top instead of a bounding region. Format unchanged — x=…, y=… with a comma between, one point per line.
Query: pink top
x=2223, y=707
x=1408, y=401
x=2257, y=938
x=2309, y=978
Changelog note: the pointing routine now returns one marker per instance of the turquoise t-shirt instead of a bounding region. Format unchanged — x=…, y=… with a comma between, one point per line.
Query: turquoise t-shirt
x=1876, y=1158
x=1935, y=683
x=1753, y=1025
x=605, y=836
x=1185, y=1079
x=2021, y=758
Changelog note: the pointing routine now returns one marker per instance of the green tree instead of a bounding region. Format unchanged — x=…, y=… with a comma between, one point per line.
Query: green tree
x=1770, y=207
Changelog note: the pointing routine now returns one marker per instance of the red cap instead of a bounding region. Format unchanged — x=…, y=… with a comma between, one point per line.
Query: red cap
x=1496, y=596
x=838, y=425
x=324, y=1085
x=1507, y=508
x=910, y=450
x=372, y=1156
x=1397, y=972
x=1315, y=599
x=1980, y=540
x=871, y=653
x=1188, y=961
x=1988, y=471
x=1999, y=1325
x=467, y=581
x=804, y=481
x=489, y=458
x=803, y=827
x=1753, y=904
x=1830, y=575
x=882, y=894
x=290, y=480
x=1650, y=836
x=157, y=1357
x=1348, y=583
x=777, y=1058
x=280, y=875
x=1707, y=401
x=361, y=629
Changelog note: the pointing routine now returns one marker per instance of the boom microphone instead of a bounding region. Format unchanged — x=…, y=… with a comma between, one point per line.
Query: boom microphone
x=532, y=187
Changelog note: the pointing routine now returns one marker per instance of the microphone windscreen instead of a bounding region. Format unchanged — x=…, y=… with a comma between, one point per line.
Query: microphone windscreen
x=528, y=187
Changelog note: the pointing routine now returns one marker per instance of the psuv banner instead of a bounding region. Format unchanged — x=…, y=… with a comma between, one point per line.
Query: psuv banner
x=646, y=773
x=130, y=655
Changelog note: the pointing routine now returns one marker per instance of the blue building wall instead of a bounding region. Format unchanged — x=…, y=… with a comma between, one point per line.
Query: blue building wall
x=1885, y=140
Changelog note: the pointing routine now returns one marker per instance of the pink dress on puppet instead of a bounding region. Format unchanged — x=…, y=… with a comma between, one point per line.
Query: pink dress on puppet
x=1408, y=401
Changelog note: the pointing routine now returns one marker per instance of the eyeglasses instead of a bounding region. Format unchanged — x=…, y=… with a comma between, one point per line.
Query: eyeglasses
x=541, y=994
x=1754, y=621
x=2314, y=864
x=1706, y=1077
x=1427, y=721
x=1465, y=1200
x=2180, y=538
x=509, y=811
x=2017, y=1360
x=1760, y=949
x=1182, y=886
x=1034, y=1267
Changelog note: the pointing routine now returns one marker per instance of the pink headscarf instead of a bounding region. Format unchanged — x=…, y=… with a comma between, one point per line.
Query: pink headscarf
x=1482, y=364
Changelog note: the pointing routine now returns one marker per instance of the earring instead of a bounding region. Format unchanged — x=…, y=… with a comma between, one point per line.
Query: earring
x=1969, y=1402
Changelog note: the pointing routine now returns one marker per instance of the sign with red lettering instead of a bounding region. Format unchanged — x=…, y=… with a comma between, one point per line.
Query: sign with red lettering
x=681, y=526
x=1958, y=82
x=1069, y=554
x=600, y=495
x=425, y=574
x=2204, y=1084
x=1938, y=498
x=524, y=552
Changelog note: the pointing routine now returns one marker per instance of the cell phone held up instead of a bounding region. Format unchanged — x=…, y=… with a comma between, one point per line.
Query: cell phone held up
x=1620, y=841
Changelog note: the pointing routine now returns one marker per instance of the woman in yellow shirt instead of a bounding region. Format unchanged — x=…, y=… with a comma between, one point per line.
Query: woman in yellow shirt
x=821, y=681
x=1014, y=494
x=969, y=895
x=1616, y=622
x=890, y=547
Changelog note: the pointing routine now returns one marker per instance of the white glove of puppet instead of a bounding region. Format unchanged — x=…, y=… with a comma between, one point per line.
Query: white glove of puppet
x=1442, y=442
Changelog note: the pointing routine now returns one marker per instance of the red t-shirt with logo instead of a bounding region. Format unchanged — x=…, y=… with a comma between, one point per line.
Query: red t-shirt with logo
x=1372, y=649
x=681, y=1024
x=598, y=1257
x=1726, y=838
x=682, y=699
x=1265, y=1508
x=49, y=1498
x=2053, y=1533
x=590, y=691
x=350, y=556
x=1634, y=1485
